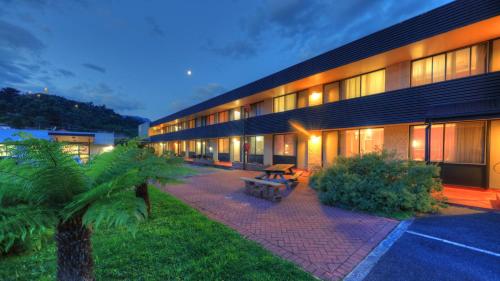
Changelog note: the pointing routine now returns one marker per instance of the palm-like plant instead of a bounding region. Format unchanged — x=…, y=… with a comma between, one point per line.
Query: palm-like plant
x=148, y=165
x=41, y=187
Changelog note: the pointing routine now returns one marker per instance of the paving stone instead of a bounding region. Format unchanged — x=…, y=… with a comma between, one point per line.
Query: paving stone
x=327, y=242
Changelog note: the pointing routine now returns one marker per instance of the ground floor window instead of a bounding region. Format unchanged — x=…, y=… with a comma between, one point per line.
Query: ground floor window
x=417, y=142
x=462, y=142
x=223, y=145
x=82, y=151
x=284, y=145
x=5, y=150
x=361, y=141
x=256, y=144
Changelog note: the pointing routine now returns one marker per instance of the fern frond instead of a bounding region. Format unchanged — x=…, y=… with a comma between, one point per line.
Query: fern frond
x=117, y=210
x=21, y=221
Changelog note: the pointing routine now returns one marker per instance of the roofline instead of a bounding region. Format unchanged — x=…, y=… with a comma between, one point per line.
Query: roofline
x=439, y=20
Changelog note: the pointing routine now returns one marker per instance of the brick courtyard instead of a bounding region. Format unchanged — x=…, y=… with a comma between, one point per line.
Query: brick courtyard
x=328, y=242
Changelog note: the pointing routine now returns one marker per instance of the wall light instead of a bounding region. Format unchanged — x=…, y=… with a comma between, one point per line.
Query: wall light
x=315, y=96
x=315, y=139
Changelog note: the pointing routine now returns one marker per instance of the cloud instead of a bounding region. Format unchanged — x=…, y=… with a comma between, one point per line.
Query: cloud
x=310, y=27
x=154, y=26
x=198, y=95
x=102, y=94
x=16, y=37
x=94, y=67
x=65, y=73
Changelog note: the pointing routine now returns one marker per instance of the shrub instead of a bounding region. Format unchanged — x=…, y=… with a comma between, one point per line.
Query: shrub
x=379, y=183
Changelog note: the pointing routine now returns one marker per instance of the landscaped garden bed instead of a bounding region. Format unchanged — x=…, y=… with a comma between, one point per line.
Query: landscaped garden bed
x=380, y=183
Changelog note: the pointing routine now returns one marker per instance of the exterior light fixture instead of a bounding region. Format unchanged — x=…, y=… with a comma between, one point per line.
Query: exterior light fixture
x=189, y=72
x=315, y=96
x=315, y=139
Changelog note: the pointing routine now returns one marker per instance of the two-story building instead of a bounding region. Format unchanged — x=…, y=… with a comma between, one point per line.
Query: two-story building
x=427, y=88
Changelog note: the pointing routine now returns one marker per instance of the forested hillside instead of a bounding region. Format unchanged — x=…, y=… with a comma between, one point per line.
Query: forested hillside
x=46, y=111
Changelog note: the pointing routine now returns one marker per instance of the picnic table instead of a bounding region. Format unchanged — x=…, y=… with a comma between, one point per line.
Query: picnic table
x=276, y=173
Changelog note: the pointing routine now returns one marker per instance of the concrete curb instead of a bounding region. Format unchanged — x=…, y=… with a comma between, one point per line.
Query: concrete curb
x=365, y=266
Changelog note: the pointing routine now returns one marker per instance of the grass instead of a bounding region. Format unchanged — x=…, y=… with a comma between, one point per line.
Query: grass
x=176, y=243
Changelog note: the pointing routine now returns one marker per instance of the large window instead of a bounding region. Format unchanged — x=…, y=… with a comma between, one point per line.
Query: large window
x=458, y=142
x=452, y=65
x=284, y=145
x=256, y=109
x=495, y=56
x=331, y=92
x=284, y=103
x=364, y=85
x=363, y=141
x=223, y=146
x=192, y=146
x=256, y=145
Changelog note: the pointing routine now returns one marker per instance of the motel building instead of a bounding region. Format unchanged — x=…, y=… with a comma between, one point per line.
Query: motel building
x=81, y=145
x=427, y=89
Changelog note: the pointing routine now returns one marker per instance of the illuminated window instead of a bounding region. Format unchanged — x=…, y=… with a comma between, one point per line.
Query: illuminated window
x=223, y=145
x=331, y=92
x=256, y=145
x=495, y=56
x=351, y=88
x=284, y=103
x=354, y=142
x=5, y=150
x=478, y=59
x=373, y=83
x=192, y=146
x=417, y=143
x=235, y=114
x=211, y=119
x=284, y=145
x=458, y=64
x=458, y=142
x=223, y=116
x=421, y=72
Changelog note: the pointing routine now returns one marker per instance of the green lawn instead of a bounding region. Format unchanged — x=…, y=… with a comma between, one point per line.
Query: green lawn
x=177, y=243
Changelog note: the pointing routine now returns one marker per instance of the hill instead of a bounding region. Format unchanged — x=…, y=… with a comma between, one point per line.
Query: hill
x=46, y=111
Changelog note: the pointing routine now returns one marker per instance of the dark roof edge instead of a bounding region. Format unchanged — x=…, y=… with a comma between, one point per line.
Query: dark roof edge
x=439, y=20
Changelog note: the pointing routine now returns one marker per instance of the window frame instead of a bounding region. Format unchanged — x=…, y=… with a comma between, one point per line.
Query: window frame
x=341, y=87
x=284, y=135
x=445, y=53
x=284, y=102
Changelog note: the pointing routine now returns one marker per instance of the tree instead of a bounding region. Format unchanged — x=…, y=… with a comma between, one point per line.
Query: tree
x=149, y=167
x=41, y=187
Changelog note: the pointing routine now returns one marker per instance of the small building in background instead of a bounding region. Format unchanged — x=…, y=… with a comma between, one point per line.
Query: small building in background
x=82, y=145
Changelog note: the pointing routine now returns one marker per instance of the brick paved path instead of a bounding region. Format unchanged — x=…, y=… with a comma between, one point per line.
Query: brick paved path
x=328, y=242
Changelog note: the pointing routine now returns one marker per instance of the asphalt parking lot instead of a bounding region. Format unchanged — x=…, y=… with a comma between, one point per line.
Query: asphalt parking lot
x=461, y=244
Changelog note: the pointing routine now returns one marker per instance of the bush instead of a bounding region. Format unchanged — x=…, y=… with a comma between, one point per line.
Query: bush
x=379, y=183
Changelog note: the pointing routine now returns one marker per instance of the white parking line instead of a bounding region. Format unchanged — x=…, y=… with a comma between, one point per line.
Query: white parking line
x=454, y=243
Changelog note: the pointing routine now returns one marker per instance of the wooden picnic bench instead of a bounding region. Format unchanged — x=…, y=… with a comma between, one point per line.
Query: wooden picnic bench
x=277, y=173
x=266, y=189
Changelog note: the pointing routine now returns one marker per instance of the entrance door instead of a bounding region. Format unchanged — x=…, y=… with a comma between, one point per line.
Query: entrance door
x=235, y=149
x=494, y=164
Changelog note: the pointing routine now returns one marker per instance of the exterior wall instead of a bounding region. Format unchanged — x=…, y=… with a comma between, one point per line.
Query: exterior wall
x=268, y=150
x=494, y=159
x=302, y=151
x=397, y=139
x=397, y=76
x=267, y=106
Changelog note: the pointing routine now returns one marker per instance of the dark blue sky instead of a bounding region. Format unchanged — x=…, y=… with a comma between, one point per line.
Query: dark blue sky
x=133, y=55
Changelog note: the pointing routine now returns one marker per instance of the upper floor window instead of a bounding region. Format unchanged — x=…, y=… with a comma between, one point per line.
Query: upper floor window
x=223, y=116
x=284, y=103
x=256, y=109
x=192, y=123
x=364, y=85
x=495, y=56
x=211, y=119
x=235, y=114
x=452, y=65
x=331, y=92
